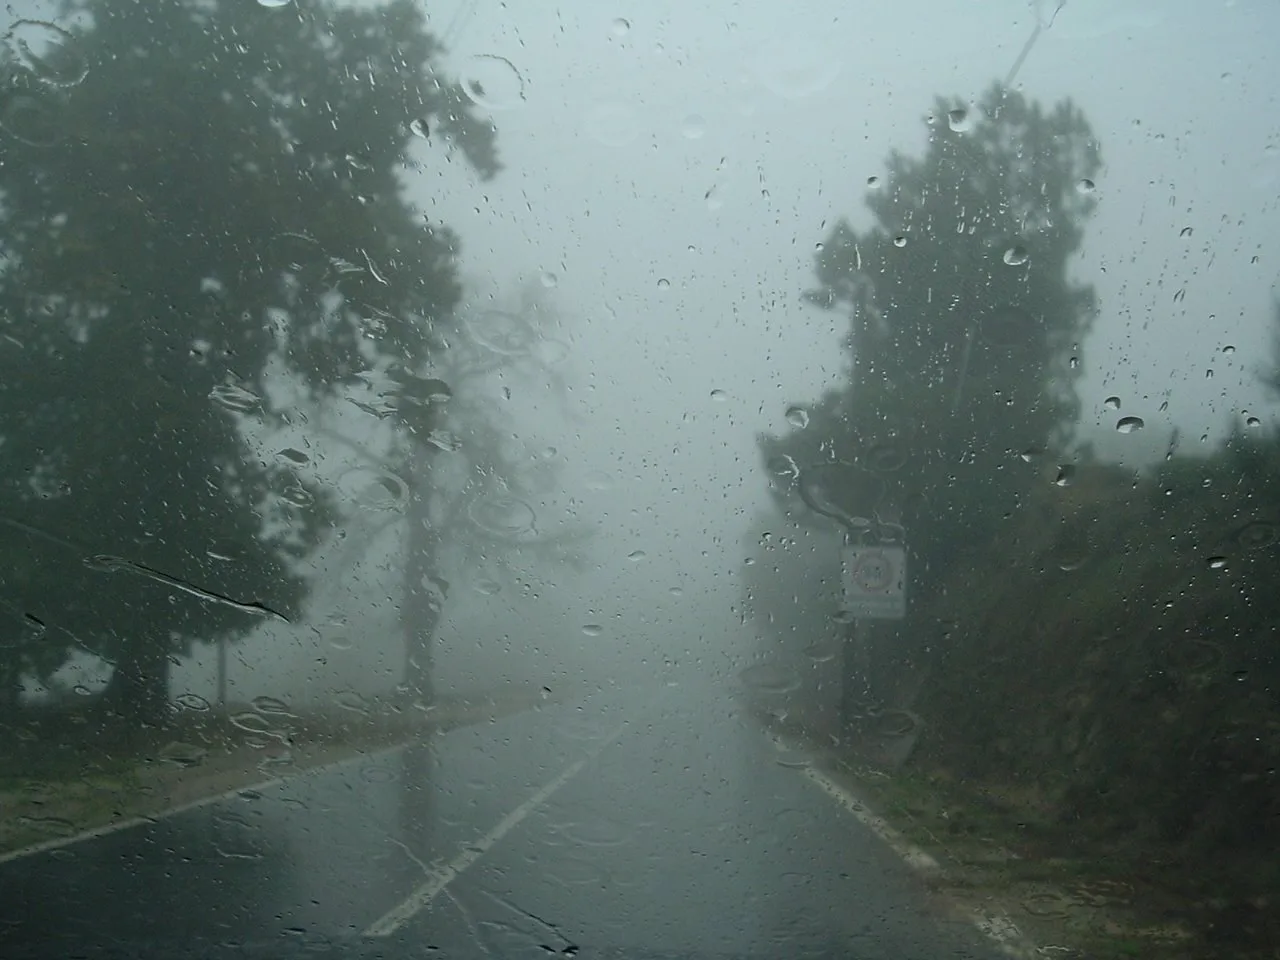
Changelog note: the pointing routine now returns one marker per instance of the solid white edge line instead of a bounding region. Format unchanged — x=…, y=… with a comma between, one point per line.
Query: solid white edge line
x=998, y=928
x=139, y=820
x=441, y=877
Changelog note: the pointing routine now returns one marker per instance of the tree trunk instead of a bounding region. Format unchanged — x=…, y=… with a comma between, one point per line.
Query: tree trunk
x=420, y=609
x=138, y=691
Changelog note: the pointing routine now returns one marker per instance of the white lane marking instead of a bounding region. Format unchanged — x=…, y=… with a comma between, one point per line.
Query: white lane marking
x=129, y=822
x=997, y=927
x=150, y=818
x=442, y=876
x=916, y=858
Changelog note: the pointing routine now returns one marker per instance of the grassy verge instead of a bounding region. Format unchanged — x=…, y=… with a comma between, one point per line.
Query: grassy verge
x=1005, y=852
x=62, y=777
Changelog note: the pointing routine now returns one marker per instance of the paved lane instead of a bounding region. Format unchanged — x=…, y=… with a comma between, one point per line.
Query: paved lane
x=665, y=825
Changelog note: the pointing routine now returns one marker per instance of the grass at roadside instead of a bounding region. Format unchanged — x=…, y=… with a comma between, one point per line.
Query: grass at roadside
x=1005, y=853
x=64, y=776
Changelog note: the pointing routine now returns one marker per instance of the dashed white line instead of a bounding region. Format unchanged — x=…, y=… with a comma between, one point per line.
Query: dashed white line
x=440, y=878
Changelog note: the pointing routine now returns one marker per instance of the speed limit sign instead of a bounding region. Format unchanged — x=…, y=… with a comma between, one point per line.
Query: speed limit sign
x=875, y=582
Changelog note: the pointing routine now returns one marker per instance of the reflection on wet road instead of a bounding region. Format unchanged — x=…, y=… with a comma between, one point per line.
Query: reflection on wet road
x=663, y=825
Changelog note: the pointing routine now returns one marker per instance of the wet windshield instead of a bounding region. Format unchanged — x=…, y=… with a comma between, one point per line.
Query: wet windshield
x=639, y=479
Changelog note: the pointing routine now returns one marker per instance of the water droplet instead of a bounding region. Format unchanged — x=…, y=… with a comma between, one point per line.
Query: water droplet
x=418, y=127
x=1016, y=255
x=1229, y=349
x=297, y=495
x=502, y=332
x=783, y=465
x=719, y=396
x=635, y=556
x=958, y=120
x=798, y=417
x=274, y=3
x=1256, y=535
x=492, y=82
x=620, y=27
x=1129, y=424
x=341, y=642
x=1085, y=186
x=1185, y=232
x=503, y=516
x=823, y=651
x=46, y=52
x=1217, y=563
x=271, y=706
x=250, y=722
x=293, y=455
x=1074, y=363
x=549, y=279
x=769, y=678
x=664, y=283
x=234, y=397
x=596, y=833
x=900, y=240
x=1065, y=476
x=1208, y=374
x=676, y=591
x=1252, y=422
x=1111, y=403
x=873, y=183
x=351, y=701
x=192, y=701
x=592, y=629
x=372, y=489
x=612, y=124
x=694, y=127
x=444, y=440
x=487, y=587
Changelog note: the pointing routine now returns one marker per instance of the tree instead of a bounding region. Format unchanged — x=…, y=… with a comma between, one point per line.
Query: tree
x=472, y=483
x=215, y=208
x=964, y=331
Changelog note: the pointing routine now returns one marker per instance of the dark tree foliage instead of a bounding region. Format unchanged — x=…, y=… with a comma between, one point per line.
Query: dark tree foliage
x=964, y=325
x=198, y=198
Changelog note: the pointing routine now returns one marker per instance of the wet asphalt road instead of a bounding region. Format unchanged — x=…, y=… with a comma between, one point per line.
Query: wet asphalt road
x=665, y=826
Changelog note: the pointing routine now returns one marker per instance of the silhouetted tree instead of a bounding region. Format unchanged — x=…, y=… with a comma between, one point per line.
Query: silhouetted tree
x=200, y=200
x=964, y=330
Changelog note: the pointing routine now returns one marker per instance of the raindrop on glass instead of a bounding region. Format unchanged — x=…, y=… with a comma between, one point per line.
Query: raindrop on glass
x=873, y=183
x=549, y=279
x=620, y=27
x=492, y=82
x=1229, y=349
x=1016, y=255
x=592, y=629
x=664, y=283
x=958, y=120
x=1111, y=403
x=719, y=396
x=769, y=678
x=1129, y=424
x=1085, y=186
x=1185, y=232
x=1065, y=476
x=1217, y=563
x=900, y=240
x=635, y=556
x=418, y=127
x=1252, y=422
x=798, y=417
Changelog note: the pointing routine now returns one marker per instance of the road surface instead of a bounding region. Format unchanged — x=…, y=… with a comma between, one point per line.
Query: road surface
x=664, y=826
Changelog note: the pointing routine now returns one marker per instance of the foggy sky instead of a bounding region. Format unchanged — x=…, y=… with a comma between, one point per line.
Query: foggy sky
x=670, y=167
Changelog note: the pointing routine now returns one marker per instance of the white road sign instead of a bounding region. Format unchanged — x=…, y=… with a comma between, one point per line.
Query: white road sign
x=875, y=582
